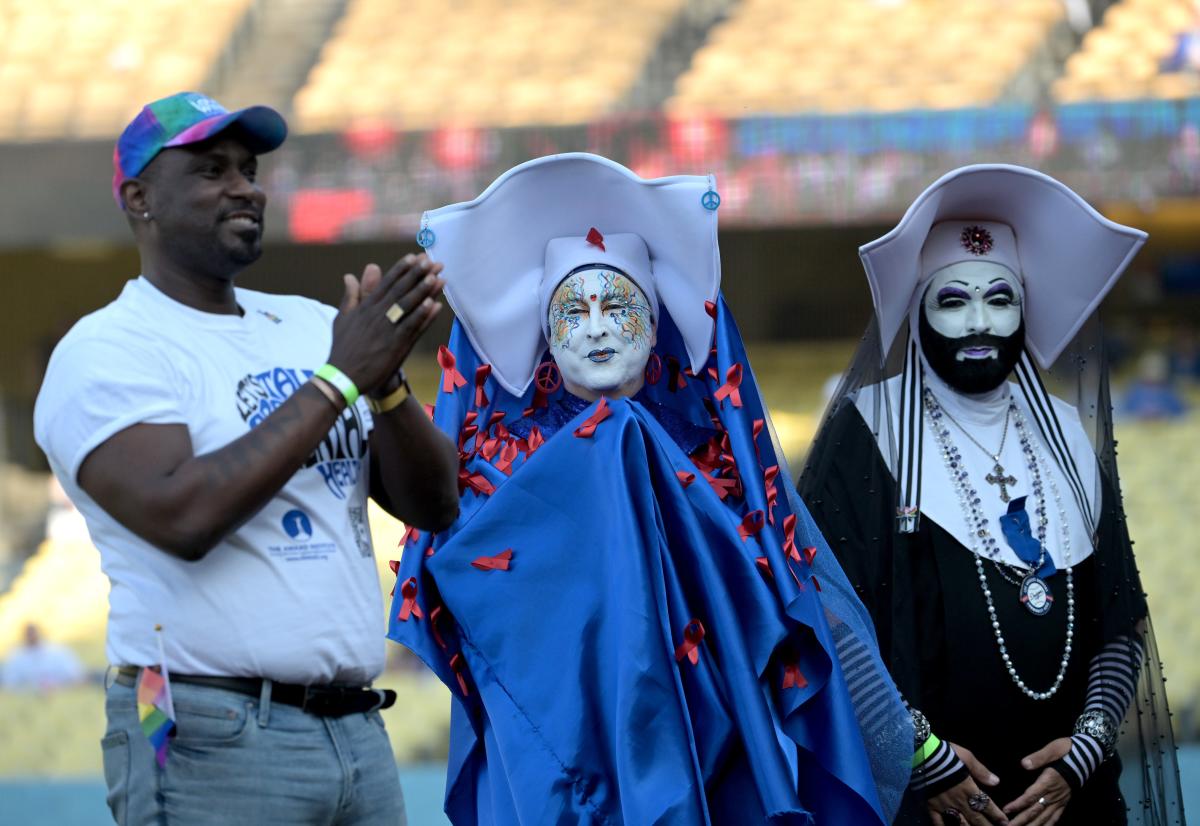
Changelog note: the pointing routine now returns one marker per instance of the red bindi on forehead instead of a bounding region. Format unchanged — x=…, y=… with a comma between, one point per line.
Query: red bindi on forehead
x=593, y=296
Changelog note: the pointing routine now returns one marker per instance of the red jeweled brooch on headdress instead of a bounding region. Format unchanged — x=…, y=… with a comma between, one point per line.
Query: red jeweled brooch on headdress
x=976, y=240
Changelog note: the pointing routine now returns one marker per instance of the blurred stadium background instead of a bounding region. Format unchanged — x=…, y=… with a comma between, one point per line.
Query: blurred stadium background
x=822, y=120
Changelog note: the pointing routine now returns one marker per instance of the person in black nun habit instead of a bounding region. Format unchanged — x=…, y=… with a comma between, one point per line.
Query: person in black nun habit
x=965, y=477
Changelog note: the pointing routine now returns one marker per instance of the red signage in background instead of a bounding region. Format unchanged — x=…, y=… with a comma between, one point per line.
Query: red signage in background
x=461, y=148
x=698, y=141
x=319, y=216
x=371, y=140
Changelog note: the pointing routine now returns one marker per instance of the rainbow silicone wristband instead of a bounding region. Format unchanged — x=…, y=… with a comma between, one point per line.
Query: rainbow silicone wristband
x=922, y=754
x=340, y=380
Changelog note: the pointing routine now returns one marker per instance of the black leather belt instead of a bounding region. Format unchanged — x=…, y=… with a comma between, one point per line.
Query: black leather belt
x=318, y=700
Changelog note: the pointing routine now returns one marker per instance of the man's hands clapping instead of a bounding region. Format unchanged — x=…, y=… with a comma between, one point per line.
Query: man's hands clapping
x=368, y=346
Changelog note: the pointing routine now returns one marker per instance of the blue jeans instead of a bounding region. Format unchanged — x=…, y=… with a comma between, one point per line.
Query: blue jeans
x=237, y=759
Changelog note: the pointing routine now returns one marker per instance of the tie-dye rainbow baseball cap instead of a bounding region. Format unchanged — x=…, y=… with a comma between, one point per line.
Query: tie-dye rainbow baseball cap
x=188, y=117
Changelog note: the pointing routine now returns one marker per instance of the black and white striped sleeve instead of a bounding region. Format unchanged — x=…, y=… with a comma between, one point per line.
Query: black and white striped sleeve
x=1112, y=678
x=938, y=772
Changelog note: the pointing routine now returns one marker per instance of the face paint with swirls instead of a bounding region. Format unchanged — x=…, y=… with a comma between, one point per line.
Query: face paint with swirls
x=601, y=332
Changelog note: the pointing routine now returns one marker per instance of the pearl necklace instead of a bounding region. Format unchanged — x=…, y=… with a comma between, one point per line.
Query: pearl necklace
x=978, y=522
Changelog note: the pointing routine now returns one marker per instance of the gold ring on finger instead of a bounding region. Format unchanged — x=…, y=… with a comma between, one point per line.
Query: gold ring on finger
x=394, y=313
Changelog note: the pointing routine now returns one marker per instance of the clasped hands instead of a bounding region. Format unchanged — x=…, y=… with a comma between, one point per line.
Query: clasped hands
x=1042, y=804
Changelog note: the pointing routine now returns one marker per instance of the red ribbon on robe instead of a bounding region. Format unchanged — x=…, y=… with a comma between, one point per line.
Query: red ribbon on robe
x=469, y=429
x=752, y=523
x=693, y=633
x=451, y=378
x=435, y=616
x=458, y=666
x=793, y=677
x=772, y=492
x=394, y=564
x=685, y=477
x=507, y=456
x=722, y=487
x=410, y=535
x=759, y=424
x=409, y=607
x=532, y=442
x=496, y=562
x=789, y=537
x=481, y=376
x=764, y=565
x=602, y=412
x=475, y=481
x=429, y=410
x=733, y=380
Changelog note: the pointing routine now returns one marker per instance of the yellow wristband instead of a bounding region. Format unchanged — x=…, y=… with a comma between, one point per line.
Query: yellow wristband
x=391, y=401
x=927, y=749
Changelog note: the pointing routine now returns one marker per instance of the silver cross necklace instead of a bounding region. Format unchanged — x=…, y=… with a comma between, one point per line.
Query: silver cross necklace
x=997, y=476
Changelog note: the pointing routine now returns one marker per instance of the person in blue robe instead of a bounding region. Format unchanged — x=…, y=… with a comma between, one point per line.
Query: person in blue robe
x=637, y=618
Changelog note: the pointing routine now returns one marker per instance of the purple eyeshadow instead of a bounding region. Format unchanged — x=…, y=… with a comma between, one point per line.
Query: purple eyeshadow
x=999, y=289
x=952, y=292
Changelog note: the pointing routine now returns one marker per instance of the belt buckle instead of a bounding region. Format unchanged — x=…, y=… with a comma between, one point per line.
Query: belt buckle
x=322, y=701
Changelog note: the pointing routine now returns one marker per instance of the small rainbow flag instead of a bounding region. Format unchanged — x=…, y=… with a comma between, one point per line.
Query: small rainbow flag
x=155, y=708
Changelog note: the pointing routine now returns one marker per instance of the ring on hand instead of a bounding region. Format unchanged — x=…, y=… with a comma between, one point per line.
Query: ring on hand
x=394, y=313
x=1041, y=801
x=978, y=802
x=950, y=811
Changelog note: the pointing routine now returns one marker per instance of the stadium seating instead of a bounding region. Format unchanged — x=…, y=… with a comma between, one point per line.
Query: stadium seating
x=1126, y=56
x=83, y=69
x=482, y=62
x=782, y=56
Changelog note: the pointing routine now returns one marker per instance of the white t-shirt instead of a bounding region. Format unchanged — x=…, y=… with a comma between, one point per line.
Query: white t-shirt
x=40, y=667
x=293, y=594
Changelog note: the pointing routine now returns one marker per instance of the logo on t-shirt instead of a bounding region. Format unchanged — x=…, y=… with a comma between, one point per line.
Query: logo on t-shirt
x=297, y=525
x=339, y=456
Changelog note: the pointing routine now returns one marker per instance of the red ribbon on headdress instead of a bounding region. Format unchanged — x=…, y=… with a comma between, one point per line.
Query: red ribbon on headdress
x=496, y=562
x=596, y=239
x=481, y=376
x=451, y=378
x=588, y=428
x=409, y=591
x=458, y=666
x=693, y=633
x=733, y=380
x=793, y=677
x=752, y=523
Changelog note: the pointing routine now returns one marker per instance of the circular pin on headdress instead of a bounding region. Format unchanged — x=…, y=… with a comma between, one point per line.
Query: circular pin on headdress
x=710, y=200
x=976, y=240
x=425, y=238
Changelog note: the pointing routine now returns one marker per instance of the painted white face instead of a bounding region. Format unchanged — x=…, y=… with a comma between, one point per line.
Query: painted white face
x=974, y=298
x=601, y=333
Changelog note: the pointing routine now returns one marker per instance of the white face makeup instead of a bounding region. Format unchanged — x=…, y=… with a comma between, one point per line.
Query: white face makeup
x=974, y=298
x=601, y=333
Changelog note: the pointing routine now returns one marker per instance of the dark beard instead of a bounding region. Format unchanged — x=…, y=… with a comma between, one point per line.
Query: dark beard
x=971, y=376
